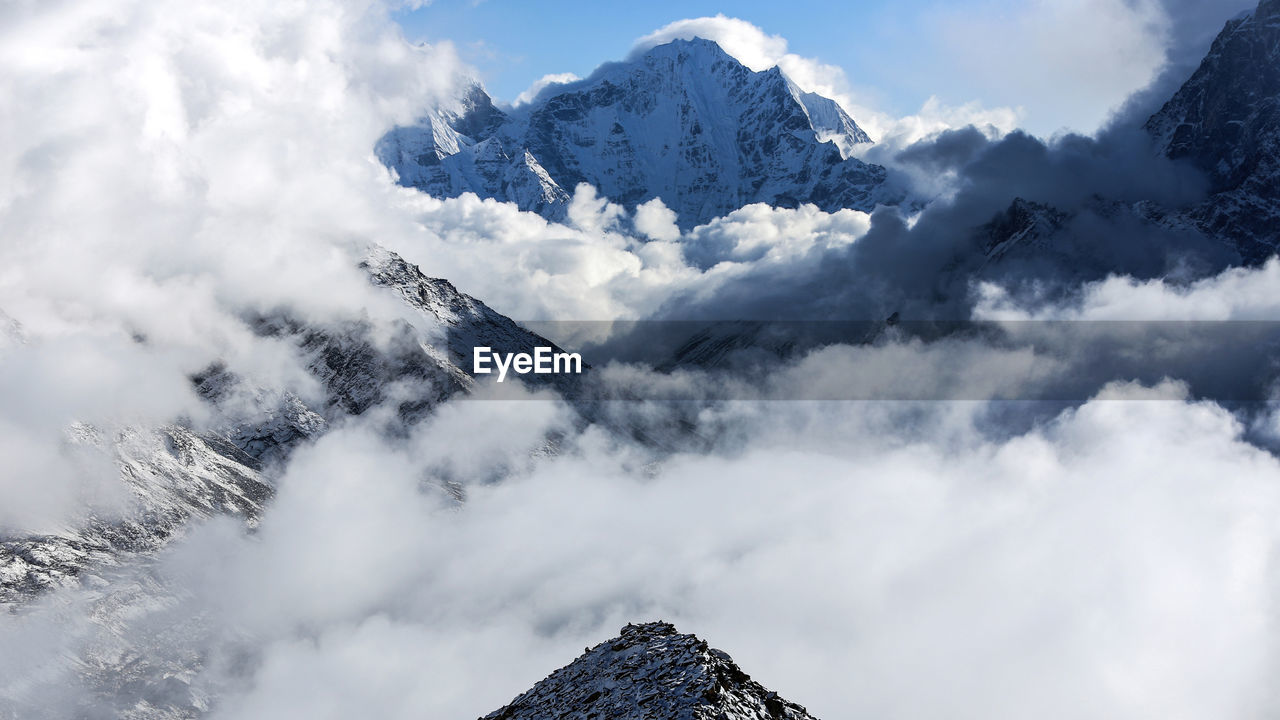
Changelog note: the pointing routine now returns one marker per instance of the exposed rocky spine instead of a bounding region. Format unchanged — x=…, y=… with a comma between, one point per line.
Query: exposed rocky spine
x=650, y=672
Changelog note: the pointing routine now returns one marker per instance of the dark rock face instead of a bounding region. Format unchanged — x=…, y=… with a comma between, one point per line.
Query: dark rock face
x=479, y=118
x=1053, y=249
x=1023, y=224
x=650, y=672
x=1226, y=119
x=684, y=122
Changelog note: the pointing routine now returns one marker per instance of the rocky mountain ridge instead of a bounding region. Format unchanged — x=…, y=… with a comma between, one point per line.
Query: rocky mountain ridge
x=177, y=473
x=650, y=672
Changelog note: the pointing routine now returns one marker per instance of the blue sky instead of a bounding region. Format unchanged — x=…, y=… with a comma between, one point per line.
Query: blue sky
x=1063, y=63
x=514, y=43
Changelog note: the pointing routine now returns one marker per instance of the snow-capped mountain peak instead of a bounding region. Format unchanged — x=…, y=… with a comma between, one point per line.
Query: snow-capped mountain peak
x=684, y=121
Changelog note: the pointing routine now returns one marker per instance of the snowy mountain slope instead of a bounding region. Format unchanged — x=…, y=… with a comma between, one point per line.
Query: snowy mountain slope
x=136, y=657
x=467, y=321
x=1226, y=120
x=263, y=423
x=832, y=124
x=685, y=122
x=172, y=475
x=650, y=672
x=175, y=474
x=455, y=150
x=423, y=360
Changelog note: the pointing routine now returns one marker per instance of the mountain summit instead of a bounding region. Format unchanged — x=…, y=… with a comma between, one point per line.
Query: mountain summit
x=1226, y=120
x=650, y=672
x=683, y=121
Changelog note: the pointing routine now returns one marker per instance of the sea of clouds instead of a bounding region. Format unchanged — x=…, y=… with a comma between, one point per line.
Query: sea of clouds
x=169, y=169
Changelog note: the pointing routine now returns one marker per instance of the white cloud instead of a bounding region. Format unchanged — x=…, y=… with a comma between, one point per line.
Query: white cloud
x=593, y=213
x=541, y=84
x=656, y=221
x=169, y=170
x=934, y=117
x=744, y=41
x=896, y=544
x=760, y=235
x=1068, y=63
x=594, y=268
x=1234, y=294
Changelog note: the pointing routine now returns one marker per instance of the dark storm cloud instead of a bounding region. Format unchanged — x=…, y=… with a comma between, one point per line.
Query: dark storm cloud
x=1102, y=198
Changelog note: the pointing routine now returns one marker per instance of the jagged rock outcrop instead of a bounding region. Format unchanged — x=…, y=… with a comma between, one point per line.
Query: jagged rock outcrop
x=651, y=672
x=684, y=121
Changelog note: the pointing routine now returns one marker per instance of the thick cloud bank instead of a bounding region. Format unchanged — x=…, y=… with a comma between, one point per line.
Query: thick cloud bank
x=869, y=558
x=166, y=171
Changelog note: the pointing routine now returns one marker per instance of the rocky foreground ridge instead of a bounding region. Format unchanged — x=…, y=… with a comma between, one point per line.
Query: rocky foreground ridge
x=650, y=672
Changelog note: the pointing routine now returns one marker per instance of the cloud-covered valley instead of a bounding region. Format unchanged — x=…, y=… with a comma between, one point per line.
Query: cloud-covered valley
x=1001, y=522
